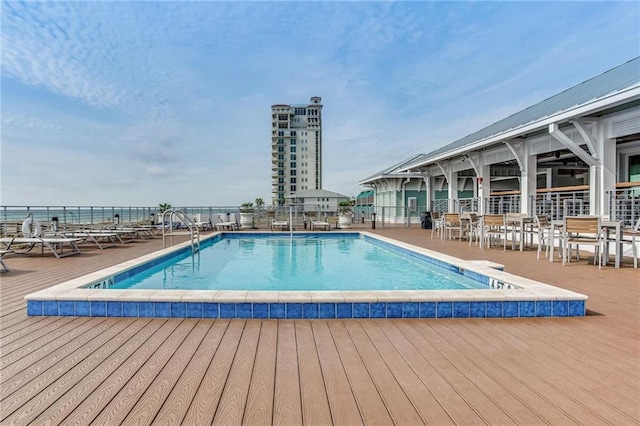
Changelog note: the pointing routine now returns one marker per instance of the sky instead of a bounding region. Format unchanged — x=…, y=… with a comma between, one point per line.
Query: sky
x=119, y=103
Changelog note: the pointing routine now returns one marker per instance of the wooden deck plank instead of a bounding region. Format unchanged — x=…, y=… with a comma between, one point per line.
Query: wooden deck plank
x=343, y=405
x=484, y=406
x=130, y=395
x=508, y=392
x=177, y=403
x=39, y=398
x=205, y=402
x=149, y=403
x=605, y=373
x=564, y=370
x=452, y=402
x=570, y=407
x=554, y=371
x=259, y=407
x=313, y=393
x=33, y=328
x=232, y=402
x=22, y=390
x=92, y=406
x=287, y=405
x=399, y=405
x=90, y=386
x=490, y=365
x=422, y=399
x=13, y=361
x=370, y=402
x=33, y=364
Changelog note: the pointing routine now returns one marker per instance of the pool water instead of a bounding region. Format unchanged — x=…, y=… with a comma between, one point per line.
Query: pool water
x=281, y=263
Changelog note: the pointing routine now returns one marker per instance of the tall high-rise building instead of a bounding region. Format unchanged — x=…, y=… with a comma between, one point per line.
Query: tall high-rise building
x=296, y=149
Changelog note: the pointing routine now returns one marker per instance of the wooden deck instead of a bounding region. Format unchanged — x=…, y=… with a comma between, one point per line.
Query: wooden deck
x=108, y=371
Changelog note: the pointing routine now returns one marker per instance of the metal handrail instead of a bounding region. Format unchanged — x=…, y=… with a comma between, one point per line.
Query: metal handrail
x=194, y=231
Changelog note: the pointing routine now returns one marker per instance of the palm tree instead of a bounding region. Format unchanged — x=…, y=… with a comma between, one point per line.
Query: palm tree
x=164, y=207
x=259, y=203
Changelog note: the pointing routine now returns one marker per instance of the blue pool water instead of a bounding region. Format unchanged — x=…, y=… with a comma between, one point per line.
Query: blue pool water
x=336, y=262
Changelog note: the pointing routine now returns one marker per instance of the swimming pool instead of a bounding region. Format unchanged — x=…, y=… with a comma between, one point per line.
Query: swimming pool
x=503, y=295
x=326, y=262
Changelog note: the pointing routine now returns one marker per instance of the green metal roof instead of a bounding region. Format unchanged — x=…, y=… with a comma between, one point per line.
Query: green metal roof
x=396, y=169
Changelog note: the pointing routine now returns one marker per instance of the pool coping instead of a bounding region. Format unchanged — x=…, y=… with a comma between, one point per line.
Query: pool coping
x=511, y=295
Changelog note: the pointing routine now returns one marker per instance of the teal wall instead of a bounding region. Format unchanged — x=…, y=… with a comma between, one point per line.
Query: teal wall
x=444, y=194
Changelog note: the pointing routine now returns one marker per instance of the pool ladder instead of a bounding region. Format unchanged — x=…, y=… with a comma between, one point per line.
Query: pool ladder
x=177, y=217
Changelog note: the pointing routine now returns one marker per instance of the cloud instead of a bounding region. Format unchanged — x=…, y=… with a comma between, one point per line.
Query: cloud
x=170, y=101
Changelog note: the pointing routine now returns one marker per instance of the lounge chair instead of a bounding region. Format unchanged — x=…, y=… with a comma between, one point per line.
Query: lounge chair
x=320, y=224
x=4, y=267
x=54, y=244
x=95, y=237
x=280, y=224
x=230, y=225
x=31, y=231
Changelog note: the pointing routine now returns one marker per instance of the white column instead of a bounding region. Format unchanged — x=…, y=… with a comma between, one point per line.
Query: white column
x=484, y=187
x=428, y=181
x=452, y=187
x=602, y=178
x=528, y=182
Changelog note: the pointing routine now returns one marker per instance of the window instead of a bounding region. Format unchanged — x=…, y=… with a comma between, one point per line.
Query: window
x=413, y=204
x=293, y=149
x=293, y=180
x=634, y=171
x=293, y=141
x=293, y=188
x=292, y=157
x=293, y=172
x=292, y=165
x=634, y=168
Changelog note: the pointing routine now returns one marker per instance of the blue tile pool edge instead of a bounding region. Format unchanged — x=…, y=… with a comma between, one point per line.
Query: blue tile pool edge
x=506, y=300
x=277, y=310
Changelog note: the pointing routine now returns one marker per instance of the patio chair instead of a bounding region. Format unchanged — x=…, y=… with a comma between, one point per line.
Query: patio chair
x=436, y=224
x=634, y=233
x=472, y=224
x=544, y=230
x=451, y=224
x=582, y=230
x=494, y=227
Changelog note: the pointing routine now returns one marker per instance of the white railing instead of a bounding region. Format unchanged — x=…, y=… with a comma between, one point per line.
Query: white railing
x=624, y=203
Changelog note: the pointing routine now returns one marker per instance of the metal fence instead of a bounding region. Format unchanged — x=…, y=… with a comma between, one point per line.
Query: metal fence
x=624, y=205
x=557, y=205
x=11, y=217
